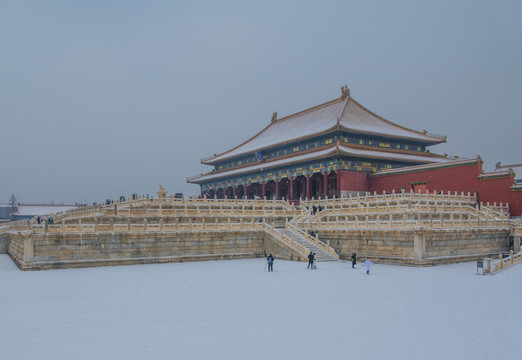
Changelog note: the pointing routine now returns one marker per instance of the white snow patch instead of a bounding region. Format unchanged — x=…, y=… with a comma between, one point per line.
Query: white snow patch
x=236, y=310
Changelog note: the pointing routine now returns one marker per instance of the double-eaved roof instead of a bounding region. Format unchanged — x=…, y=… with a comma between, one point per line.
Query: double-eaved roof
x=343, y=113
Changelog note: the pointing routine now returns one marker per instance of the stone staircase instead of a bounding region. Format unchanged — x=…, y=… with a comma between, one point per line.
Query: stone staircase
x=320, y=253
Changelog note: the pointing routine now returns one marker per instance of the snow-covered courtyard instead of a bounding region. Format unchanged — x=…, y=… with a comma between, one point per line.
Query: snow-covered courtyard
x=236, y=310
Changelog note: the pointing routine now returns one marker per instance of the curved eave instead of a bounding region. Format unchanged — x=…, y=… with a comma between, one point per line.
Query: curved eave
x=380, y=134
x=265, y=165
x=354, y=152
x=390, y=156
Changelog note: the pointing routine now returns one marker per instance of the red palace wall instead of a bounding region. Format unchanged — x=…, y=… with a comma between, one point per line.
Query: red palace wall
x=462, y=178
x=354, y=180
x=457, y=178
x=498, y=190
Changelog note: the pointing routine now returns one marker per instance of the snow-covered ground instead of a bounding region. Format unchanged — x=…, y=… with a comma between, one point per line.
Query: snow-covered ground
x=235, y=310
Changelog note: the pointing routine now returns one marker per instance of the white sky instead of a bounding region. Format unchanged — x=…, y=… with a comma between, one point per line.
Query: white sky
x=101, y=99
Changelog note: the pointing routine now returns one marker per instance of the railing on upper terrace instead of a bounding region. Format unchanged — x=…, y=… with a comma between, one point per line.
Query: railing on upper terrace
x=403, y=221
x=146, y=226
x=375, y=197
x=187, y=207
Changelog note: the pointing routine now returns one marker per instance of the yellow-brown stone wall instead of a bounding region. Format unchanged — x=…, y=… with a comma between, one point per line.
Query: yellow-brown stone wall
x=74, y=249
x=15, y=247
x=400, y=244
x=386, y=243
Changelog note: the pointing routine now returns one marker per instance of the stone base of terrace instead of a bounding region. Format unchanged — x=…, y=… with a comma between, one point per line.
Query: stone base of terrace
x=408, y=229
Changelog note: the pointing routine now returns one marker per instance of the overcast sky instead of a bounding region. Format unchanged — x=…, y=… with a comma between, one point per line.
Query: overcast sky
x=105, y=98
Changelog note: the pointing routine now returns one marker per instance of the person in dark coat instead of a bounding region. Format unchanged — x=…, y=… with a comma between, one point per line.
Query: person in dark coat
x=270, y=261
x=354, y=260
x=311, y=258
x=38, y=220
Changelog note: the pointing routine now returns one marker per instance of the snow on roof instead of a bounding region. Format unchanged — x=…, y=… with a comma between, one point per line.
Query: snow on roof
x=34, y=210
x=267, y=165
x=357, y=118
x=517, y=169
x=320, y=119
x=321, y=154
x=391, y=156
x=448, y=161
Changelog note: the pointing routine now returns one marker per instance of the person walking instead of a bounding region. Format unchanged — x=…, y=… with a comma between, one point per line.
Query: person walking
x=311, y=258
x=270, y=261
x=367, y=264
x=354, y=260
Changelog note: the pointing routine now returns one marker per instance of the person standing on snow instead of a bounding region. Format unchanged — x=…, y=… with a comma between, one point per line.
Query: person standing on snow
x=311, y=257
x=270, y=260
x=354, y=260
x=367, y=264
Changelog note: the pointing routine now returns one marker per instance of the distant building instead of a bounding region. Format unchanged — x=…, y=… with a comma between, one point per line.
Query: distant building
x=27, y=211
x=5, y=212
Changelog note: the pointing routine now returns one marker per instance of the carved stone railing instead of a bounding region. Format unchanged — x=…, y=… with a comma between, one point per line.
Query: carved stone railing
x=504, y=263
x=314, y=240
x=409, y=196
x=286, y=240
x=146, y=226
x=391, y=221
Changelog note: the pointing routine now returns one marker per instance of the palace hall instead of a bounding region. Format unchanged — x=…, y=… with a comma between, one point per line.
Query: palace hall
x=324, y=151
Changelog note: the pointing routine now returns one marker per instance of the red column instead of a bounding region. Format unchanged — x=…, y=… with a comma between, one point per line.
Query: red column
x=338, y=174
x=263, y=189
x=291, y=191
x=308, y=186
x=325, y=184
x=277, y=188
x=234, y=191
x=245, y=191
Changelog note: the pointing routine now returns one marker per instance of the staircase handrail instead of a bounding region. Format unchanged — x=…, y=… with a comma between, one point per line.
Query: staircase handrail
x=286, y=240
x=313, y=240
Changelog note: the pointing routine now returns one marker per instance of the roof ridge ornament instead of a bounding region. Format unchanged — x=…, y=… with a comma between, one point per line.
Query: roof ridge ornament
x=345, y=92
x=274, y=117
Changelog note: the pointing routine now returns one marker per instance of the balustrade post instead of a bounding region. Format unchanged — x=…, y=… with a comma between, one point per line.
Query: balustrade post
x=501, y=261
